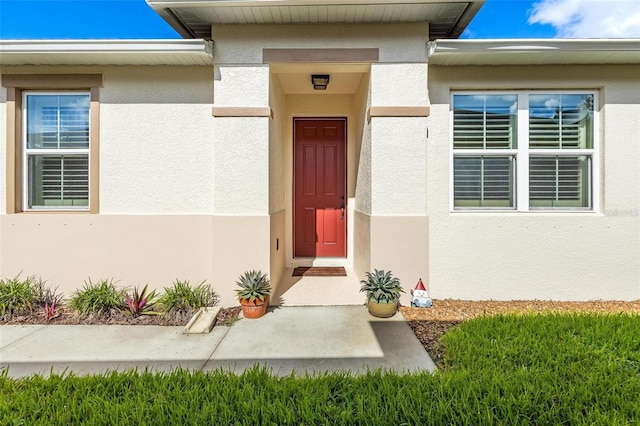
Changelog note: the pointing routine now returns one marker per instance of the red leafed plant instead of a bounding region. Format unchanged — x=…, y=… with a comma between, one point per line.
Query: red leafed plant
x=140, y=303
x=50, y=311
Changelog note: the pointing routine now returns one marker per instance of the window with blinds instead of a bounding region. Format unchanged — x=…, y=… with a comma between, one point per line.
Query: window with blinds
x=484, y=121
x=484, y=139
x=56, y=152
x=558, y=181
x=483, y=181
x=560, y=121
x=555, y=154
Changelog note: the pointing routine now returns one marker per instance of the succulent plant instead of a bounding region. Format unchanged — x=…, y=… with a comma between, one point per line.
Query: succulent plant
x=253, y=285
x=381, y=287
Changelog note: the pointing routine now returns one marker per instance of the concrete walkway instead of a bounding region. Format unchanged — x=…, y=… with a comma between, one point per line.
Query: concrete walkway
x=287, y=339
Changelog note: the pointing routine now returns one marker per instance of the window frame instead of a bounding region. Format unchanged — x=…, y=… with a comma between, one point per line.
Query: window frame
x=523, y=152
x=27, y=152
x=16, y=85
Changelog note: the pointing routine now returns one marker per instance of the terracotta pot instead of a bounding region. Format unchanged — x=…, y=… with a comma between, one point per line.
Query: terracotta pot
x=254, y=309
x=382, y=310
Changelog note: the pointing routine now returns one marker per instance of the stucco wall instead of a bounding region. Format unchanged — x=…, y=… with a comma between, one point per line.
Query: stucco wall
x=277, y=200
x=3, y=148
x=242, y=44
x=561, y=256
x=398, y=144
x=398, y=172
x=134, y=250
x=156, y=139
x=363, y=182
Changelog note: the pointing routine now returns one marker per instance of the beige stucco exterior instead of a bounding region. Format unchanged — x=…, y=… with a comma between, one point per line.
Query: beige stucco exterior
x=196, y=174
x=540, y=255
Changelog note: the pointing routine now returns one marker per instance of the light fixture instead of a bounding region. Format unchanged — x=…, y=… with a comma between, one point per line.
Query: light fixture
x=320, y=81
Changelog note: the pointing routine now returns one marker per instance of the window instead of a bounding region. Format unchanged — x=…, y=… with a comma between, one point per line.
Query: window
x=52, y=142
x=523, y=151
x=56, y=150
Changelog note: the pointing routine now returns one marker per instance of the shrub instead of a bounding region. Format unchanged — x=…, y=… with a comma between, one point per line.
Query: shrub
x=183, y=298
x=17, y=295
x=98, y=298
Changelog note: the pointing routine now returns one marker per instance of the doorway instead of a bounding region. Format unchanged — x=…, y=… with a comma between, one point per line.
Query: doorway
x=319, y=187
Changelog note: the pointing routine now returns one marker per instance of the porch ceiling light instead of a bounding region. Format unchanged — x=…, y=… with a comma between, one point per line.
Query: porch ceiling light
x=320, y=81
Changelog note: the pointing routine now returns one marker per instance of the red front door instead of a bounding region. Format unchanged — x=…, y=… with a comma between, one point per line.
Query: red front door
x=319, y=201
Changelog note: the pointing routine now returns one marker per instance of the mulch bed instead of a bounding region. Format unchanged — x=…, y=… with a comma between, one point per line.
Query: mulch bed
x=66, y=317
x=428, y=324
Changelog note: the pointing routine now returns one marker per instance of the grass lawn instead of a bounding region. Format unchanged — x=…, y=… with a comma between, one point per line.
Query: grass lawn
x=508, y=369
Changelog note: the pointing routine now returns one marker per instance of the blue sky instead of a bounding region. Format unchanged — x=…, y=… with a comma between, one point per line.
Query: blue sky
x=133, y=19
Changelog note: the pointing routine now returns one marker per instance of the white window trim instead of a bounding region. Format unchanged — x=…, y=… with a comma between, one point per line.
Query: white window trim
x=523, y=153
x=69, y=152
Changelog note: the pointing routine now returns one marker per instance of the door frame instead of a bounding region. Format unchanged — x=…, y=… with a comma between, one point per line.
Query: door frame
x=293, y=181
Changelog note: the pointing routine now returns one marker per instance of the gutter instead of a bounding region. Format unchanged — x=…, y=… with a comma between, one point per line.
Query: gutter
x=16, y=52
x=533, y=51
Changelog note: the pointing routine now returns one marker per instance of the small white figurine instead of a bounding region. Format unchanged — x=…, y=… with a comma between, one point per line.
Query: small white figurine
x=420, y=296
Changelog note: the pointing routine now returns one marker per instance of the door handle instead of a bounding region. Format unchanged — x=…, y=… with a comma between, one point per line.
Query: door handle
x=342, y=207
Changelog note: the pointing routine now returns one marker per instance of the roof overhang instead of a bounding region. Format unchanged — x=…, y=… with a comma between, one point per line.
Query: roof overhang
x=534, y=52
x=194, y=19
x=105, y=52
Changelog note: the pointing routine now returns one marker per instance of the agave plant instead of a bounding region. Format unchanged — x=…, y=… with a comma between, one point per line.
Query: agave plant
x=253, y=285
x=381, y=287
x=140, y=303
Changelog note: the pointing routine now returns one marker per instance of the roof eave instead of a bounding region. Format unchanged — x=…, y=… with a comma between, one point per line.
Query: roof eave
x=169, y=11
x=465, y=19
x=534, y=51
x=105, y=52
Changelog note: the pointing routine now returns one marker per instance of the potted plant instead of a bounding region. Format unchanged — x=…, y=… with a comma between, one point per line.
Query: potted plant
x=253, y=293
x=383, y=292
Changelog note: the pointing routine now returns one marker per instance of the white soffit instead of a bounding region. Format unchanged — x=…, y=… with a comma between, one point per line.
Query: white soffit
x=105, y=52
x=193, y=19
x=534, y=51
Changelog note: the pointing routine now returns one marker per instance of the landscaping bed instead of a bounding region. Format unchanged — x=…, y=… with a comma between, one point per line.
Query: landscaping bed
x=429, y=324
x=116, y=317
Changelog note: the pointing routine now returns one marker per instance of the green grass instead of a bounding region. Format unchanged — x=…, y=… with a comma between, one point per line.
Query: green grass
x=505, y=370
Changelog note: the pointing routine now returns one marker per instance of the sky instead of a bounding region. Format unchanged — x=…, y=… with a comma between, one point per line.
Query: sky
x=133, y=19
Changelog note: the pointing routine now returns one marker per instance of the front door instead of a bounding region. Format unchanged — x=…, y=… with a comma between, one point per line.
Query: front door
x=319, y=204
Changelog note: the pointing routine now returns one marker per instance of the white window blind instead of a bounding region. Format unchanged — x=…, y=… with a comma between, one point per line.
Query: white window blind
x=560, y=121
x=483, y=181
x=484, y=122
